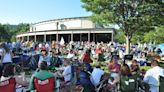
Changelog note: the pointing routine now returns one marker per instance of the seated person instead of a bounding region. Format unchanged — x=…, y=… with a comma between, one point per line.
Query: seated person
x=9, y=72
x=110, y=82
x=152, y=76
x=45, y=57
x=134, y=67
x=42, y=73
x=66, y=75
x=96, y=75
x=128, y=81
x=125, y=70
x=114, y=67
x=84, y=79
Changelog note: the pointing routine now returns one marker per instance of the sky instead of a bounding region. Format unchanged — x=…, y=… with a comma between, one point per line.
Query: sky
x=32, y=11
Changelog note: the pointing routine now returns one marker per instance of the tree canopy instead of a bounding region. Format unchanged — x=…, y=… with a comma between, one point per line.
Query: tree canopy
x=3, y=33
x=130, y=15
x=8, y=32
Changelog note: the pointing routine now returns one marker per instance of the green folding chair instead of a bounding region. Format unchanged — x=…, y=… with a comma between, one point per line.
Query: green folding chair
x=161, y=84
x=128, y=84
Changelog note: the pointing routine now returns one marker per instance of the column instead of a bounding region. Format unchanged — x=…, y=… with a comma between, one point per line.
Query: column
x=80, y=37
x=71, y=36
x=27, y=38
x=34, y=38
x=57, y=37
x=23, y=38
x=50, y=38
x=112, y=37
x=94, y=37
x=88, y=37
x=44, y=37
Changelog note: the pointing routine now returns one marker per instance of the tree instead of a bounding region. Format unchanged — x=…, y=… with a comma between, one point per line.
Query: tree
x=129, y=15
x=119, y=36
x=23, y=27
x=155, y=36
x=8, y=32
x=18, y=29
x=4, y=35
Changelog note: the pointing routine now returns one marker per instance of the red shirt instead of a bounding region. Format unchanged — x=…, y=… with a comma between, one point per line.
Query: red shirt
x=86, y=58
x=98, y=51
x=114, y=67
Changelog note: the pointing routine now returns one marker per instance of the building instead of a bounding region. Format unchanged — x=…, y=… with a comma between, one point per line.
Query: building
x=71, y=29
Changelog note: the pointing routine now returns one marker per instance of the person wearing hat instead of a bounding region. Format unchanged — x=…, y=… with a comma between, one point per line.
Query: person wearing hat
x=44, y=56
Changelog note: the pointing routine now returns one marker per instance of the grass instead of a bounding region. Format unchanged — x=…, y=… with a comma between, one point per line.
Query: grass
x=145, y=67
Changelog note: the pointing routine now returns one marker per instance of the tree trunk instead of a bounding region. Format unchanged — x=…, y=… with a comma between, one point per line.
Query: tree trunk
x=127, y=44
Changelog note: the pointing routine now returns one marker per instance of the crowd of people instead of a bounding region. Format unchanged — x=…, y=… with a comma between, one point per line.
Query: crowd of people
x=74, y=66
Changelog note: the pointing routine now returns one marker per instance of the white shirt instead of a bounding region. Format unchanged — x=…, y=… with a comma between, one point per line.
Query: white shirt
x=70, y=55
x=47, y=45
x=45, y=58
x=152, y=77
x=67, y=73
x=1, y=51
x=121, y=54
x=96, y=76
x=4, y=78
x=7, y=58
x=40, y=45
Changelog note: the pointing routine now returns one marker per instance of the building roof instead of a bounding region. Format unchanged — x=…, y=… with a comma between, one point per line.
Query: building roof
x=60, y=19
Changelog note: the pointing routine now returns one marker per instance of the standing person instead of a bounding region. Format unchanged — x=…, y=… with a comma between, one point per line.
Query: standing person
x=53, y=44
x=87, y=60
x=101, y=56
x=45, y=57
x=6, y=57
x=1, y=53
x=98, y=50
x=152, y=76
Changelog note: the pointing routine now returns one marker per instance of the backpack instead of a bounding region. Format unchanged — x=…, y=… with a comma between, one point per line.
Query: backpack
x=128, y=84
x=58, y=62
x=84, y=78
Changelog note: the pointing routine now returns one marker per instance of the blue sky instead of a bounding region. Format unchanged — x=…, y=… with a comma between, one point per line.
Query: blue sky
x=31, y=11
